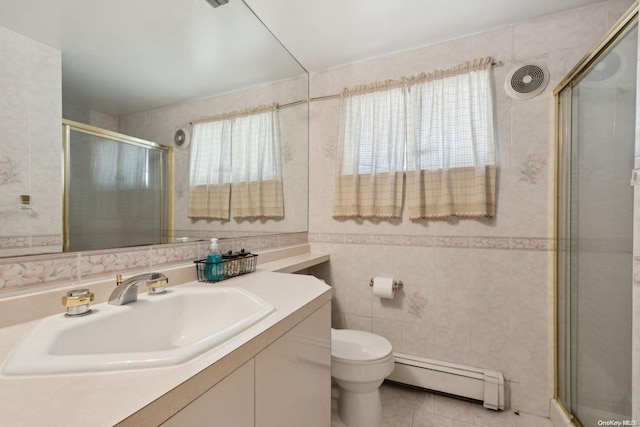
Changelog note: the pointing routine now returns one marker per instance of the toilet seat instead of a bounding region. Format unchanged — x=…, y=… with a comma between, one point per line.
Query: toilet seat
x=358, y=347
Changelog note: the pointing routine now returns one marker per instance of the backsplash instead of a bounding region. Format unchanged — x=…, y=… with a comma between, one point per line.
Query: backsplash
x=26, y=273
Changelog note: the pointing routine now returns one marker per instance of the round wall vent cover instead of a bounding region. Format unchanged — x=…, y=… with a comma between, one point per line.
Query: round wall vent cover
x=526, y=81
x=182, y=138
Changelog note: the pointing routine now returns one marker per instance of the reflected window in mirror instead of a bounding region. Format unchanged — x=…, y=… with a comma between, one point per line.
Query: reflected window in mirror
x=236, y=164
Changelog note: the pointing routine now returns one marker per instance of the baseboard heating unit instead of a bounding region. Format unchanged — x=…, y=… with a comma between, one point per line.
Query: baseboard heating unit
x=464, y=381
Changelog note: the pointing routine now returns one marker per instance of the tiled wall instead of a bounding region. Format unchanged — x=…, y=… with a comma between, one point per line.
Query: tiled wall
x=477, y=292
x=18, y=275
x=30, y=111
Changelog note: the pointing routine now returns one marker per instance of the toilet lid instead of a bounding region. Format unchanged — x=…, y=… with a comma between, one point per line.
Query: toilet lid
x=362, y=346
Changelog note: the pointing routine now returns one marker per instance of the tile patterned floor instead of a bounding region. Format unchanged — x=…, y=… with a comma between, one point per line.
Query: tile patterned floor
x=407, y=407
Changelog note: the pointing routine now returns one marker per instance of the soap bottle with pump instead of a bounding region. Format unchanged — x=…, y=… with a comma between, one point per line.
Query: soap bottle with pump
x=213, y=269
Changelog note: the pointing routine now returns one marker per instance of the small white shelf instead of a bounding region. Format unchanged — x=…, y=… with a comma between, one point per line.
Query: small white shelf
x=294, y=263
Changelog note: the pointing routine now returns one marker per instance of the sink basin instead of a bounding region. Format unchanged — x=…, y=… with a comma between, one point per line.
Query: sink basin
x=156, y=330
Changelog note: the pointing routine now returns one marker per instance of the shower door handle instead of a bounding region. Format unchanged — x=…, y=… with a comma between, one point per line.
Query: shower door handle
x=635, y=177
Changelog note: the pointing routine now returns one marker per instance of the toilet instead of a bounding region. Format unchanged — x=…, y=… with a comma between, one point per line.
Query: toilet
x=360, y=361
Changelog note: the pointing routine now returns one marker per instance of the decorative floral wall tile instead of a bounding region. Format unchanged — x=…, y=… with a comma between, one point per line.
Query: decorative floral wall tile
x=490, y=243
x=168, y=254
x=179, y=190
x=38, y=270
x=452, y=242
x=16, y=272
x=47, y=240
x=93, y=264
x=416, y=304
x=537, y=244
x=9, y=170
x=532, y=169
x=15, y=242
x=497, y=242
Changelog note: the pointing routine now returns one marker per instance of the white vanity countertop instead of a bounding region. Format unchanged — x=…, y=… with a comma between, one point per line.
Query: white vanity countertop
x=148, y=397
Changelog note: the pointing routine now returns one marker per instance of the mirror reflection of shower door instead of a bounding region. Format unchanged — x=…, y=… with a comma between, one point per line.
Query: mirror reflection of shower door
x=596, y=237
x=116, y=193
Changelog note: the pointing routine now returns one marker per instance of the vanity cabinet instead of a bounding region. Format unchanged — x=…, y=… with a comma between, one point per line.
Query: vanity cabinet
x=293, y=376
x=228, y=403
x=286, y=384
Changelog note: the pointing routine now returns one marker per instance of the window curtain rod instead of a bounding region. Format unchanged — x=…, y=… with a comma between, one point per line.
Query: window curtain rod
x=277, y=106
x=322, y=98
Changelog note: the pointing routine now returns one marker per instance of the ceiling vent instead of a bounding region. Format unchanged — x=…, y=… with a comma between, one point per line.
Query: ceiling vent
x=526, y=81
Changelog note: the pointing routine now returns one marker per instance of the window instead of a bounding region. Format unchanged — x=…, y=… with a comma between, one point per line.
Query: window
x=450, y=148
x=236, y=163
x=436, y=128
x=371, y=153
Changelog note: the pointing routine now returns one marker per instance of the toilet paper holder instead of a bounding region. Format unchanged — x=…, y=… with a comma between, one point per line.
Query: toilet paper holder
x=397, y=284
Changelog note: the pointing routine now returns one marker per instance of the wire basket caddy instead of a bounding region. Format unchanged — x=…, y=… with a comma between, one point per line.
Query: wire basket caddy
x=227, y=268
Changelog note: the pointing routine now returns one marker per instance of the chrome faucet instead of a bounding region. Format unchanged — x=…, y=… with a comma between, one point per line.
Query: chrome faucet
x=127, y=291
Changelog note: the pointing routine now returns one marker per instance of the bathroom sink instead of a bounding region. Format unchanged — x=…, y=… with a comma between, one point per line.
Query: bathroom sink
x=156, y=330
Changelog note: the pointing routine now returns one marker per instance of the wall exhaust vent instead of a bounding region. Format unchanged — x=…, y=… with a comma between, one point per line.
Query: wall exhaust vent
x=526, y=81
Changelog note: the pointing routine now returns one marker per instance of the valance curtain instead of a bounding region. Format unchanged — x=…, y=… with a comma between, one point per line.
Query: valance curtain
x=436, y=128
x=236, y=161
x=451, y=168
x=371, y=152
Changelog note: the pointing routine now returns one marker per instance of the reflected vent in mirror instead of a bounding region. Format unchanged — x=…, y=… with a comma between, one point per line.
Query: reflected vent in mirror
x=605, y=72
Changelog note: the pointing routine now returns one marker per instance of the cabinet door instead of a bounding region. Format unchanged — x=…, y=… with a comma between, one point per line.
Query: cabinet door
x=293, y=376
x=227, y=404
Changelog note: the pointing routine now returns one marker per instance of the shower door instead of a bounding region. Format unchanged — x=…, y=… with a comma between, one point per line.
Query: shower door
x=595, y=232
x=116, y=190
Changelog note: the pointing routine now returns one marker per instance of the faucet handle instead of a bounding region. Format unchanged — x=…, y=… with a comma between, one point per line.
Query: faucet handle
x=158, y=285
x=77, y=302
x=118, y=279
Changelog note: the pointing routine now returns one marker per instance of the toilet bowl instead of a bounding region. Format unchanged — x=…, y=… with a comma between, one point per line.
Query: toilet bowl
x=360, y=361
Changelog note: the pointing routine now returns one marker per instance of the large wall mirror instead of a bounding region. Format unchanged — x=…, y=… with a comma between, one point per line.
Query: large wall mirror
x=146, y=69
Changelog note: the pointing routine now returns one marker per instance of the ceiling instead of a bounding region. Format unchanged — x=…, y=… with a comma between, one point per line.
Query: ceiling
x=123, y=56
x=325, y=34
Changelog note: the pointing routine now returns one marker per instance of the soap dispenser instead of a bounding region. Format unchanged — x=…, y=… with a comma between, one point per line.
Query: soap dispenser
x=213, y=269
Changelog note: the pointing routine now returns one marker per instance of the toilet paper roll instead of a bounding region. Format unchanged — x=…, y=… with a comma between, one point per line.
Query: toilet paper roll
x=383, y=287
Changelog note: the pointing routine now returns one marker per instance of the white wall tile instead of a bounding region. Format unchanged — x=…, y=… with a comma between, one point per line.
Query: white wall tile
x=536, y=37
x=487, y=283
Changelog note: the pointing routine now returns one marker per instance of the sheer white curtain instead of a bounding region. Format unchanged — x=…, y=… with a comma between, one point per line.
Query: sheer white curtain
x=451, y=168
x=236, y=162
x=210, y=170
x=369, y=166
x=257, y=165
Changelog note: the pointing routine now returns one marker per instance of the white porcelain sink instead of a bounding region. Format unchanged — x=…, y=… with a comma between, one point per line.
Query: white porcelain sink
x=156, y=330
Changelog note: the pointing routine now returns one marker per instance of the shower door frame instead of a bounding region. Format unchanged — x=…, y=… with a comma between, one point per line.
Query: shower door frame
x=70, y=125
x=563, y=142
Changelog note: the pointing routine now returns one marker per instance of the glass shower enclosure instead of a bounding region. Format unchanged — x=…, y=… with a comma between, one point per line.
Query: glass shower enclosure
x=596, y=106
x=117, y=190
